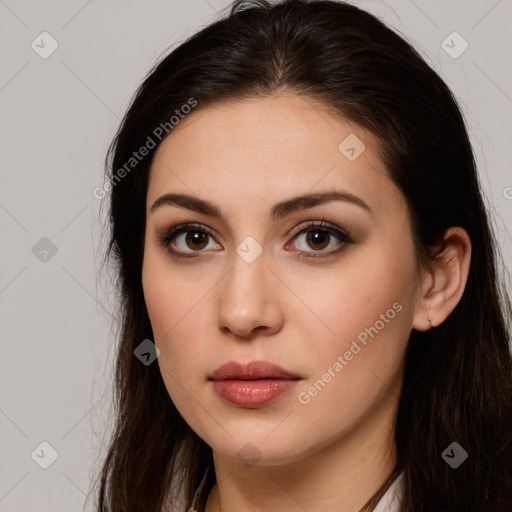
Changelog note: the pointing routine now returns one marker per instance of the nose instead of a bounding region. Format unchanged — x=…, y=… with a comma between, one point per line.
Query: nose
x=248, y=300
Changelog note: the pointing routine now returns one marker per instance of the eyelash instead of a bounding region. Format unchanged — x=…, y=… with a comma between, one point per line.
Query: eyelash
x=342, y=235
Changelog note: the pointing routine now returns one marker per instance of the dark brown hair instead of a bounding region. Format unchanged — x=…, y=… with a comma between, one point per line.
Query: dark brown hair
x=458, y=376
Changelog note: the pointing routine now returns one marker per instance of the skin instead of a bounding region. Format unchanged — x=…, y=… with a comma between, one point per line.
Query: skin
x=333, y=452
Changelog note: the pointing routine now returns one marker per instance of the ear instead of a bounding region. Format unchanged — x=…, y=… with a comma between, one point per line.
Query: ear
x=442, y=288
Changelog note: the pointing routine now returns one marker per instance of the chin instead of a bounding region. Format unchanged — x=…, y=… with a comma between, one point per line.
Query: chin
x=264, y=446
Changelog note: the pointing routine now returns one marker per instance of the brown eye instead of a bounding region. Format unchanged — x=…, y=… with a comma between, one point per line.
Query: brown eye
x=318, y=239
x=187, y=240
x=320, y=236
x=196, y=239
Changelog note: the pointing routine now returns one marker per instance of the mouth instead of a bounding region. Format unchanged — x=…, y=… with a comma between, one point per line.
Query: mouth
x=253, y=385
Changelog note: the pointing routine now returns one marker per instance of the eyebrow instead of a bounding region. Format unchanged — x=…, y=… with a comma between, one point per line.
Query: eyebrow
x=278, y=211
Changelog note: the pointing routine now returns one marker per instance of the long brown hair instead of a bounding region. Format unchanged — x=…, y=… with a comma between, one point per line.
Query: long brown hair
x=458, y=376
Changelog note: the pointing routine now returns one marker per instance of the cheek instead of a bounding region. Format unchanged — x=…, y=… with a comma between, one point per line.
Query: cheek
x=173, y=314
x=363, y=313
x=167, y=306
x=354, y=372
x=169, y=297
x=355, y=297
x=178, y=318
x=179, y=352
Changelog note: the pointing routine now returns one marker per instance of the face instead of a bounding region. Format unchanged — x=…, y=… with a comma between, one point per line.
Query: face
x=255, y=281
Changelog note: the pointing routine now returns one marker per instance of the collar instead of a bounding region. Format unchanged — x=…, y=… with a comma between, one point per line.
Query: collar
x=391, y=500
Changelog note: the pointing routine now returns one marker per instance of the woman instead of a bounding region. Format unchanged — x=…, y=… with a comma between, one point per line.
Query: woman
x=315, y=266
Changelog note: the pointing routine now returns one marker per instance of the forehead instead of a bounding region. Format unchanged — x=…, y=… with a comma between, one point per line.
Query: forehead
x=270, y=147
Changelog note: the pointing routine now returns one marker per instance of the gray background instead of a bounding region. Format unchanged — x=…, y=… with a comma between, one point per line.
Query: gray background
x=58, y=116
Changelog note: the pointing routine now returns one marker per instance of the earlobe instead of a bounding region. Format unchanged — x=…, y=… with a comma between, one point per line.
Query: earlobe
x=424, y=318
x=442, y=288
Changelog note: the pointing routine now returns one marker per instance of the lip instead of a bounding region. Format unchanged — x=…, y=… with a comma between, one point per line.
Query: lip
x=252, y=385
x=251, y=371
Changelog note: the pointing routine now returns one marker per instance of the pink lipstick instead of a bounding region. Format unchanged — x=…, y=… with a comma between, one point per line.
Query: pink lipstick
x=251, y=385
